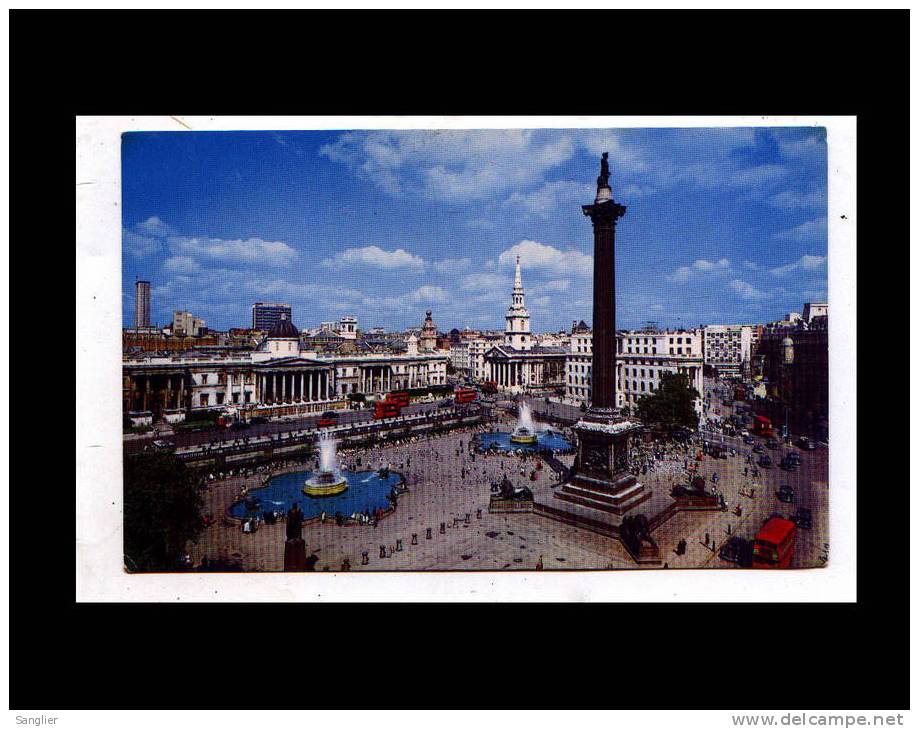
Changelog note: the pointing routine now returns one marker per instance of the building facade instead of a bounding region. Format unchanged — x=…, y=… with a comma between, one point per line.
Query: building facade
x=727, y=347
x=265, y=314
x=641, y=358
x=277, y=378
x=141, y=304
x=184, y=322
x=518, y=364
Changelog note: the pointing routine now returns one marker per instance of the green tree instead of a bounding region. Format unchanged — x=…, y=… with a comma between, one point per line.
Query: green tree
x=671, y=405
x=162, y=511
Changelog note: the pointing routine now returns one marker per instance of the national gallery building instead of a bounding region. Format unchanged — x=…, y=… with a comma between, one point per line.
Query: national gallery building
x=277, y=378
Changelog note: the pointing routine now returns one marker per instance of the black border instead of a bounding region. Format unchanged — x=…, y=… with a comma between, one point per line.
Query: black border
x=67, y=63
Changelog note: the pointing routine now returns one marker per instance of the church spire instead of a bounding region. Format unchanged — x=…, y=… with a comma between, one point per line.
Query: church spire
x=517, y=331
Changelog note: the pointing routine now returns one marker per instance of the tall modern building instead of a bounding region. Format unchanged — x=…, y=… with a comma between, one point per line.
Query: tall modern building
x=265, y=314
x=141, y=304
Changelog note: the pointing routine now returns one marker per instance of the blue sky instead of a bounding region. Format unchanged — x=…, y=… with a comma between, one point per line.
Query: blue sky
x=723, y=225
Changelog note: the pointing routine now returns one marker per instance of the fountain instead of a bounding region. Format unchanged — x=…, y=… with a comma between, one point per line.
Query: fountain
x=328, y=481
x=525, y=432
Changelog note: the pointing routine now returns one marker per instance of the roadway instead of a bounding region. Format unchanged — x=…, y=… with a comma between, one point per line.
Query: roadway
x=221, y=436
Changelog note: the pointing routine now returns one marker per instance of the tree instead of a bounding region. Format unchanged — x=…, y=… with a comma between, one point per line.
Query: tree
x=672, y=404
x=162, y=511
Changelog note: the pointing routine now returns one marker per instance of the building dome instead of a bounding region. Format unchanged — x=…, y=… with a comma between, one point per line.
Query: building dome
x=283, y=329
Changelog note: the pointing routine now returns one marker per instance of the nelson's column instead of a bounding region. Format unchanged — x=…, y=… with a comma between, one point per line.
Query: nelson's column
x=601, y=478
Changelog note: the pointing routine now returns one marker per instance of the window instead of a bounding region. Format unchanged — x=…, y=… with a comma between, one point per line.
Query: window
x=203, y=379
x=204, y=400
x=220, y=398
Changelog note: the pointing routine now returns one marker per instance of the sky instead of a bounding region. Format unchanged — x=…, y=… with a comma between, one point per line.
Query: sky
x=722, y=225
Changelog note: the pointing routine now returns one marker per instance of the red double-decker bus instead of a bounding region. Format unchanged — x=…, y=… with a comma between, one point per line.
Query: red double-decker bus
x=762, y=426
x=383, y=409
x=464, y=395
x=774, y=544
x=400, y=398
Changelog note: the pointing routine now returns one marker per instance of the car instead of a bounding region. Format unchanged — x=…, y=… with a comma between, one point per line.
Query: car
x=794, y=456
x=748, y=439
x=258, y=420
x=758, y=448
x=764, y=462
x=163, y=445
x=806, y=443
x=737, y=550
x=744, y=432
x=785, y=494
x=787, y=464
x=772, y=443
x=802, y=518
x=240, y=425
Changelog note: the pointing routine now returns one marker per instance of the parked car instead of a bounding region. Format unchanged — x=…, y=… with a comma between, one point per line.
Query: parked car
x=737, y=550
x=240, y=425
x=802, y=518
x=772, y=443
x=744, y=432
x=758, y=448
x=794, y=457
x=787, y=464
x=748, y=439
x=806, y=443
x=258, y=420
x=764, y=462
x=785, y=494
x=163, y=445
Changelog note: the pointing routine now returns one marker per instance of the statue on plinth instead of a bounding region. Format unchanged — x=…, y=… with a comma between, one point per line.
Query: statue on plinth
x=603, y=179
x=295, y=522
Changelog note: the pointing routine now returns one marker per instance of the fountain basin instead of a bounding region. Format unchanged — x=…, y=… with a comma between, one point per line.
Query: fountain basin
x=523, y=436
x=366, y=491
x=325, y=483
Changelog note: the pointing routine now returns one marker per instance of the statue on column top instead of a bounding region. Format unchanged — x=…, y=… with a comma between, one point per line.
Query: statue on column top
x=603, y=179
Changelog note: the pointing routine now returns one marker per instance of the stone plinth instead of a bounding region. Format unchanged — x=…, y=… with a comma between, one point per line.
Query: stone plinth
x=295, y=555
x=600, y=478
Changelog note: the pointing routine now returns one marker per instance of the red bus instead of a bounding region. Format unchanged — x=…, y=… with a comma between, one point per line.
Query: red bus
x=383, y=409
x=762, y=426
x=774, y=544
x=399, y=398
x=328, y=418
x=463, y=395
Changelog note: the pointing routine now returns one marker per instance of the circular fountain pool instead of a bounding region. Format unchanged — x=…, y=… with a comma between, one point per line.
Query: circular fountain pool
x=366, y=491
x=547, y=440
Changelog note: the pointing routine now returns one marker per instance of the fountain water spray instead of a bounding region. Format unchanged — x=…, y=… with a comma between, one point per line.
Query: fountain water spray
x=329, y=480
x=525, y=432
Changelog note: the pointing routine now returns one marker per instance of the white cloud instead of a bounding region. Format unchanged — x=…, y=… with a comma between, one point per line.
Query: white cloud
x=139, y=246
x=747, y=291
x=757, y=176
x=486, y=282
x=751, y=265
x=684, y=273
x=811, y=230
x=681, y=275
x=703, y=265
x=535, y=255
x=562, y=284
x=155, y=227
x=452, y=265
x=794, y=200
x=181, y=264
x=452, y=165
x=805, y=263
x=374, y=256
x=544, y=201
x=228, y=252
